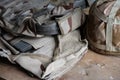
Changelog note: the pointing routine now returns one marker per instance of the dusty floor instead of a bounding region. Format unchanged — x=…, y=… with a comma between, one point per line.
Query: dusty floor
x=92, y=67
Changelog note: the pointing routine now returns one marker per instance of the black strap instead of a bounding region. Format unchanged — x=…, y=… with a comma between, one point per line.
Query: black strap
x=48, y=28
x=22, y=46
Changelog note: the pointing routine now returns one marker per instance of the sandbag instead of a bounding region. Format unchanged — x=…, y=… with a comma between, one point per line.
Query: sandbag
x=103, y=27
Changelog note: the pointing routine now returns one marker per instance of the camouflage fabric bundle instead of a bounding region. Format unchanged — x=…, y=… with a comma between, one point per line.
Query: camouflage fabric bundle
x=28, y=19
x=41, y=37
x=16, y=15
x=38, y=62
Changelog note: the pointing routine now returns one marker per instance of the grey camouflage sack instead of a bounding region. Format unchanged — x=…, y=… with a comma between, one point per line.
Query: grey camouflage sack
x=40, y=54
x=36, y=18
x=69, y=51
x=16, y=16
x=34, y=61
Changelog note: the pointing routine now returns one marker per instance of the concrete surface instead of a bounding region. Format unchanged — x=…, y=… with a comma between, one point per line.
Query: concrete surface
x=93, y=66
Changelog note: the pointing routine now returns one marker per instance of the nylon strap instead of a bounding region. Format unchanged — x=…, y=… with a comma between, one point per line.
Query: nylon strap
x=97, y=12
x=100, y=15
x=110, y=24
x=48, y=28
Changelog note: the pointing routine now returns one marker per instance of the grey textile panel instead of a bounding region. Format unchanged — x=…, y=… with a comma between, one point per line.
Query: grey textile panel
x=23, y=46
x=90, y=2
x=80, y=3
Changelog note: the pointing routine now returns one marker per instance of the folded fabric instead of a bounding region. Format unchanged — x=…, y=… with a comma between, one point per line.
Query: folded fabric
x=39, y=62
x=15, y=13
x=29, y=19
x=70, y=50
x=34, y=61
x=73, y=19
